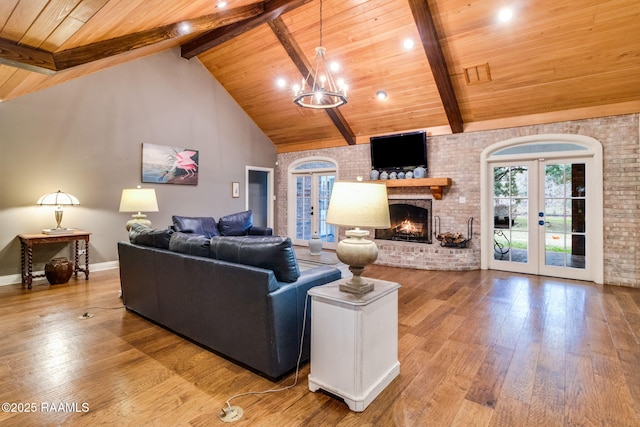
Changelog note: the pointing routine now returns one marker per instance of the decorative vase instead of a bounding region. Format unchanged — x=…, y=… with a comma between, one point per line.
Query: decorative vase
x=408, y=175
x=58, y=270
x=374, y=175
x=315, y=244
x=401, y=175
x=419, y=172
x=384, y=175
x=393, y=175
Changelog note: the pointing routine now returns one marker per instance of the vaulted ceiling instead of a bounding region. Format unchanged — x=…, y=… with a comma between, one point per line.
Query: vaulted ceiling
x=554, y=60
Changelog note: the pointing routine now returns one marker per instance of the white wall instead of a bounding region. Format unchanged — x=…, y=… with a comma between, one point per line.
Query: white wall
x=84, y=137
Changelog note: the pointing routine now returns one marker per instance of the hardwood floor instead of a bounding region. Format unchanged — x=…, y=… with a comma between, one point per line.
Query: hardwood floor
x=477, y=348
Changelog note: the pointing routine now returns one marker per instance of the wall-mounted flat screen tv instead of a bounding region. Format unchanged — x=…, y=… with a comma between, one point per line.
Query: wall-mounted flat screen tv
x=402, y=151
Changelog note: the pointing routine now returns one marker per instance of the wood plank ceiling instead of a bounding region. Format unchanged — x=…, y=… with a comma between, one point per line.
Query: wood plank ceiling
x=555, y=60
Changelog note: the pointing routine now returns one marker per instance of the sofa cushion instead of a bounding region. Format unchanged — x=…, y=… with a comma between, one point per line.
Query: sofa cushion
x=270, y=252
x=237, y=224
x=190, y=244
x=141, y=234
x=204, y=225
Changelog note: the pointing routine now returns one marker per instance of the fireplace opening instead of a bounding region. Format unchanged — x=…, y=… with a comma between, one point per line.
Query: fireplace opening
x=409, y=223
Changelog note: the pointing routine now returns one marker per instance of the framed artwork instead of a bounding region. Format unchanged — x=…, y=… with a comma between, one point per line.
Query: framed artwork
x=235, y=189
x=162, y=164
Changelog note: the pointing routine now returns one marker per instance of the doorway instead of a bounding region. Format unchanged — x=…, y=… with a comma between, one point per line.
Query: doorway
x=259, y=195
x=310, y=185
x=542, y=207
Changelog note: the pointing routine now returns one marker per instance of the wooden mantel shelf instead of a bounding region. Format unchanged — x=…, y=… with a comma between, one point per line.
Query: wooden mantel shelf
x=435, y=184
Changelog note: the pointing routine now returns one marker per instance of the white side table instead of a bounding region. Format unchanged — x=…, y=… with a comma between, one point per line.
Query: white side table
x=354, y=342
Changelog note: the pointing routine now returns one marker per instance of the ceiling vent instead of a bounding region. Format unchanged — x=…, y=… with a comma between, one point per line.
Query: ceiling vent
x=477, y=74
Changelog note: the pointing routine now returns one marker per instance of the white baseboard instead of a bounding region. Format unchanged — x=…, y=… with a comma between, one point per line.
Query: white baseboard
x=14, y=279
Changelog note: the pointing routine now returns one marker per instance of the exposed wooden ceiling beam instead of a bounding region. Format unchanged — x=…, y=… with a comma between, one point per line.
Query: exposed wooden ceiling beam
x=26, y=58
x=295, y=53
x=100, y=50
x=41, y=61
x=433, y=49
x=211, y=39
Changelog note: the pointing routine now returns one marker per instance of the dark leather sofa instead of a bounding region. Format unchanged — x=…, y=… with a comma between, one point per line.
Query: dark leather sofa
x=241, y=297
x=236, y=224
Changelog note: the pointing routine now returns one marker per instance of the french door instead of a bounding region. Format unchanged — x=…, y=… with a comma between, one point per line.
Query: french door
x=540, y=217
x=312, y=194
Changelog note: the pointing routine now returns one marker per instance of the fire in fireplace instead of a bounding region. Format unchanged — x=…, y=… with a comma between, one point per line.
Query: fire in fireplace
x=409, y=223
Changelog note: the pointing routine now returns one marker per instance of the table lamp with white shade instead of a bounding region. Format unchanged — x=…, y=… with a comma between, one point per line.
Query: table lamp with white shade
x=358, y=204
x=138, y=200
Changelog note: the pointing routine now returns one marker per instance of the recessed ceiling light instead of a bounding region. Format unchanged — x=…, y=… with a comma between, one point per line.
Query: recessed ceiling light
x=408, y=44
x=184, y=28
x=505, y=14
x=221, y=4
x=381, y=95
x=281, y=82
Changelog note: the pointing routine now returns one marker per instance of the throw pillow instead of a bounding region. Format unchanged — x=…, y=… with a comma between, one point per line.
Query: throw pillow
x=237, y=224
x=204, y=225
x=140, y=234
x=269, y=252
x=190, y=244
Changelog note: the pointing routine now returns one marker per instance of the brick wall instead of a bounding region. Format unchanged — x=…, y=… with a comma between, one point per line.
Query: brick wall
x=458, y=157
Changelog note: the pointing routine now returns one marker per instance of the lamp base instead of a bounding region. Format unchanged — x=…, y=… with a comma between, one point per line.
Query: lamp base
x=357, y=252
x=356, y=288
x=137, y=221
x=138, y=218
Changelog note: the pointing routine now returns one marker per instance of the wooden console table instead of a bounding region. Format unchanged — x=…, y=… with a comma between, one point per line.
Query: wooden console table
x=354, y=341
x=28, y=241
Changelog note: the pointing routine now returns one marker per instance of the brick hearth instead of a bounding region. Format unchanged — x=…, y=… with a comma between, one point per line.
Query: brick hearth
x=427, y=256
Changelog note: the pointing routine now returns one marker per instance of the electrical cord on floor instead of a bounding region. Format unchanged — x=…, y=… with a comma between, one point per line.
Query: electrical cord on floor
x=233, y=413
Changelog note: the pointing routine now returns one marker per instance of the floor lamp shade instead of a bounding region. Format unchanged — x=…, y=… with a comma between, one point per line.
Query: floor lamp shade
x=358, y=204
x=138, y=200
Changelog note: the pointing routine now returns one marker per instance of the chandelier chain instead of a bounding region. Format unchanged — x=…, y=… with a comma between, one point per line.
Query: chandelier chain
x=320, y=22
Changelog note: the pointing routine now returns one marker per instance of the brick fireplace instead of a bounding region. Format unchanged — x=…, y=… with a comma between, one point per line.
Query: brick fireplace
x=410, y=221
x=416, y=248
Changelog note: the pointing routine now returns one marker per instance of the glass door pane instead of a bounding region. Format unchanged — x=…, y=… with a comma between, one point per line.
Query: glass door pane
x=564, y=215
x=324, y=184
x=511, y=213
x=303, y=207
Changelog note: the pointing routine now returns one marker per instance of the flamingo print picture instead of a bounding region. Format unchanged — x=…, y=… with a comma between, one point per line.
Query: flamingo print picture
x=169, y=165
